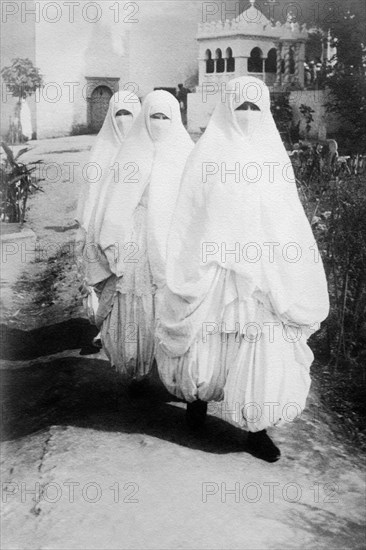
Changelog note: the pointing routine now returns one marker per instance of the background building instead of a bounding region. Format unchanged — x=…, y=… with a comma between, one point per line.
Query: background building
x=88, y=50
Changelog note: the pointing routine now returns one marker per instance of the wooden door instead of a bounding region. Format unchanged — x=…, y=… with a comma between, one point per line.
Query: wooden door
x=99, y=106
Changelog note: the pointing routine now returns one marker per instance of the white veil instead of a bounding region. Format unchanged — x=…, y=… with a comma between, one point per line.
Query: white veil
x=103, y=152
x=145, y=161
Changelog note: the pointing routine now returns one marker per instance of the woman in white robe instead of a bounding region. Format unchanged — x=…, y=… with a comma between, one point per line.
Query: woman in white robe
x=124, y=108
x=245, y=282
x=131, y=227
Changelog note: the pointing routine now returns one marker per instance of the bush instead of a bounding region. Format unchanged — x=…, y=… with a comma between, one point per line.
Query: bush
x=282, y=113
x=346, y=79
x=348, y=101
x=16, y=182
x=337, y=212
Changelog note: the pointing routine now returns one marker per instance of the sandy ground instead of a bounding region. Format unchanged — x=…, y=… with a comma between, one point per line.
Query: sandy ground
x=86, y=465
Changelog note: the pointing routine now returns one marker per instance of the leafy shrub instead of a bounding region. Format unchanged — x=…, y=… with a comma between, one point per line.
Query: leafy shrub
x=348, y=101
x=307, y=115
x=281, y=109
x=22, y=78
x=16, y=182
x=336, y=207
x=346, y=79
x=283, y=116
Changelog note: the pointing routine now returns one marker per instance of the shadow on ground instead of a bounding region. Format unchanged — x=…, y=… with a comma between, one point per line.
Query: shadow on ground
x=23, y=345
x=88, y=393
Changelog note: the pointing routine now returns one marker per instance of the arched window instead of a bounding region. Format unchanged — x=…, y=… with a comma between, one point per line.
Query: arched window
x=255, y=64
x=230, y=61
x=220, y=62
x=210, y=64
x=271, y=61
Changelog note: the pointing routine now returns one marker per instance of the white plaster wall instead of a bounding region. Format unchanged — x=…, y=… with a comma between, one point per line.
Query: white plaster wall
x=68, y=51
x=153, y=46
x=163, y=48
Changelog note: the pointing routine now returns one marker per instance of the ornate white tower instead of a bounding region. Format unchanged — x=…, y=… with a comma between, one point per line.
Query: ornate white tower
x=250, y=44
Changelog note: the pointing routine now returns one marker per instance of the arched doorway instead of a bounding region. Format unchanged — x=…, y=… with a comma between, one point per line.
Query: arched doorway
x=99, y=106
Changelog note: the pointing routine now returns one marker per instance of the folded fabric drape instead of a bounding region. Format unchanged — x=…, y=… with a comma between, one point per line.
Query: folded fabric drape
x=238, y=208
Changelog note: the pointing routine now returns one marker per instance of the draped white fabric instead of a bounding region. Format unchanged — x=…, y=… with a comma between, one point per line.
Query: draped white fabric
x=259, y=374
x=238, y=209
x=112, y=134
x=131, y=227
x=245, y=283
x=153, y=154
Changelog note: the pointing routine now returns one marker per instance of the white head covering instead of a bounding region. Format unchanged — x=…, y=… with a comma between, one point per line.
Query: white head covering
x=253, y=211
x=154, y=153
x=108, y=141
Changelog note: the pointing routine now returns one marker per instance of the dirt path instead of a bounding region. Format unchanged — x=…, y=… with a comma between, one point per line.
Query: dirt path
x=112, y=471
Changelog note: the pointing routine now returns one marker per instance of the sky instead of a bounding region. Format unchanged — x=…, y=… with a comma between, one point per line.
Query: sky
x=312, y=12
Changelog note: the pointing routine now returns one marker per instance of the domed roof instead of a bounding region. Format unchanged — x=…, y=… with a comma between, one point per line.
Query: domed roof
x=253, y=23
x=254, y=15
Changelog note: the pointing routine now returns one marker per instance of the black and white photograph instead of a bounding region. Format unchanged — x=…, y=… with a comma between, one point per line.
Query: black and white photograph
x=183, y=274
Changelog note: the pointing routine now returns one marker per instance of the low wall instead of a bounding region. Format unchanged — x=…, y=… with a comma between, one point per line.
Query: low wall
x=324, y=123
x=201, y=107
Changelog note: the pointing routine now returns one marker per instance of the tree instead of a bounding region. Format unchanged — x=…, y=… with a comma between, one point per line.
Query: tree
x=348, y=32
x=347, y=80
x=22, y=79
